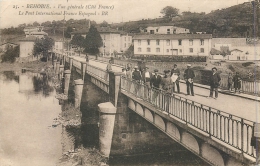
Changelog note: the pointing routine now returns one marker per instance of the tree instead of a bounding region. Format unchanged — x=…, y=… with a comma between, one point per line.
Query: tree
x=104, y=24
x=93, y=41
x=42, y=46
x=11, y=54
x=68, y=31
x=78, y=41
x=36, y=24
x=169, y=11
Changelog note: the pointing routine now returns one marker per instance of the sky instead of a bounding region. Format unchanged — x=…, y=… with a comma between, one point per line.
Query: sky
x=15, y=12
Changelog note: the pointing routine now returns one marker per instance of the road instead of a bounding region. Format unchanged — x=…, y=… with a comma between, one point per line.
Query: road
x=241, y=107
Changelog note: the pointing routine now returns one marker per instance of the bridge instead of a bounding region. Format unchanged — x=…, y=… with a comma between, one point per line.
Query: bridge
x=221, y=132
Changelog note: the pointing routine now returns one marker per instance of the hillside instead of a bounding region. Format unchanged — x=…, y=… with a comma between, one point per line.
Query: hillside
x=235, y=21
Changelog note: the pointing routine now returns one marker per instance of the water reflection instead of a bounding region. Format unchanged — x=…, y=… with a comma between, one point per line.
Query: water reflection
x=41, y=83
x=27, y=137
x=34, y=83
x=10, y=76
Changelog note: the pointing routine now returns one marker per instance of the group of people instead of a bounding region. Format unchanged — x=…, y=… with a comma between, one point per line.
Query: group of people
x=234, y=81
x=169, y=83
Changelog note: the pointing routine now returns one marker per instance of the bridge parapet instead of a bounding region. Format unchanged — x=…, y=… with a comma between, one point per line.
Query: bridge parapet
x=233, y=132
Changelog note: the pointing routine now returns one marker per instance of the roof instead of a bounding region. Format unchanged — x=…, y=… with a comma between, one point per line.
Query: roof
x=236, y=50
x=100, y=30
x=30, y=38
x=173, y=36
x=8, y=43
x=37, y=33
x=214, y=51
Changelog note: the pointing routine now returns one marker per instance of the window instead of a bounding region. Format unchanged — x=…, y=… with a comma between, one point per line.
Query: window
x=157, y=49
x=145, y=30
x=191, y=42
x=125, y=44
x=180, y=42
x=148, y=42
x=148, y=49
x=139, y=42
x=167, y=42
x=180, y=50
x=191, y=49
x=157, y=42
x=168, y=31
x=201, y=49
x=167, y=50
x=156, y=30
x=139, y=49
x=151, y=31
x=128, y=38
x=201, y=42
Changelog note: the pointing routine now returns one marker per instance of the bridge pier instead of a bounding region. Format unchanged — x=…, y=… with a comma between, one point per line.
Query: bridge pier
x=57, y=67
x=106, y=126
x=61, y=71
x=54, y=63
x=67, y=74
x=78, y=91
x=70, y=62
x=83, y=69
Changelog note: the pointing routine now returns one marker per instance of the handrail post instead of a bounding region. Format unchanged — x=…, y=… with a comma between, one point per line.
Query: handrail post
x=257, y=143
x=242, y=135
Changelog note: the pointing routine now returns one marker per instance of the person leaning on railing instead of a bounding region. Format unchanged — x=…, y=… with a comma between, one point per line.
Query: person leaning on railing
x=166, y=85
x=137, y=77
x=155, y=83
x=146, y=77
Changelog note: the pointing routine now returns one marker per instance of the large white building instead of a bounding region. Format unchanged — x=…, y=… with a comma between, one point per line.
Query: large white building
x=173, y=44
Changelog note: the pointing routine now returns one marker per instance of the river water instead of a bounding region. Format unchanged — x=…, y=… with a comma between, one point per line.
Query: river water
x=28, y=108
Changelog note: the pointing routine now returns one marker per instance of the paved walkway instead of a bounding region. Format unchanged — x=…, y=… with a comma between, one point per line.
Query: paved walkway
x=241, y=105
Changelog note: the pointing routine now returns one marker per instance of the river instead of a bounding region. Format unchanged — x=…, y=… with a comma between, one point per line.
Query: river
x=28, y=137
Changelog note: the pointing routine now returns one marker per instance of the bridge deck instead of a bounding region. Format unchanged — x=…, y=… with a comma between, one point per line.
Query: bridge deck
x=236, y=105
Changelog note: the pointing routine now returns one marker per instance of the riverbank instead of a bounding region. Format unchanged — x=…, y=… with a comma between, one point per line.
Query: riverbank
x=35, y=66
x=70, y=117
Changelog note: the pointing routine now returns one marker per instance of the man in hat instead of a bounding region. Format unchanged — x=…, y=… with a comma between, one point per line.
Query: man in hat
x=137, y=77
x=175, y=72
x=146, y=78
x=188, y=76
x=214, y=83
x=141, y=65
x=155, y=84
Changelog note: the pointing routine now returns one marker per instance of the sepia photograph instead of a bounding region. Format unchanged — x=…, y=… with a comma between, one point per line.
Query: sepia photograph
x=129, y=83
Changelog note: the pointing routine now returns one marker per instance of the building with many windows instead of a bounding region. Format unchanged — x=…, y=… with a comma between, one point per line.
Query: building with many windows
x=173, y=44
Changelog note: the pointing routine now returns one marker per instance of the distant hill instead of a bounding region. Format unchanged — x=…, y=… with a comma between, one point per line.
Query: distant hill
x=235, y=21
